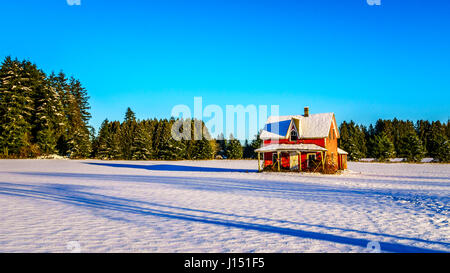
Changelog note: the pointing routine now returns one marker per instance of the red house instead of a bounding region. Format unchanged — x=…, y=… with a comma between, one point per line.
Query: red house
x=302, y=143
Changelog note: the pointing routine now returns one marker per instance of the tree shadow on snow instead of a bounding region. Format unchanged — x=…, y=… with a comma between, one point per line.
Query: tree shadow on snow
x=277, y=189
x=103, y=204
x=170, y=167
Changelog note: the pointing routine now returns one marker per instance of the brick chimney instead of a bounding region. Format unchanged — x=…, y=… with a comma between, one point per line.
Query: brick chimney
x=306, y=114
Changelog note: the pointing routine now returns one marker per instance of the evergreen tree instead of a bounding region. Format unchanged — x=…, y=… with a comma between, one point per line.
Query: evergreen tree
x=49, y=115
x=353, y=140
x=221, y=145
x=169, y=148
x=62, y=125
x=203, y=149
x=422, y=129
x=234, y=148
x=435, y=137
x=102, y=151
x=411, y=147
x=443, y=154
x=16, y=108
x=130, y=115
x=79, y=145
x=142, y=148
x=114, y=148
x=248, y=151
x=383, y=147
x=369, y=139
x=127, y=132
x=256, y=144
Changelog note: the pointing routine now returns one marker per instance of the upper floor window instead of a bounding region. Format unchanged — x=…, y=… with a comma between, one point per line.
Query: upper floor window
x=332, y=134
x=294, y=136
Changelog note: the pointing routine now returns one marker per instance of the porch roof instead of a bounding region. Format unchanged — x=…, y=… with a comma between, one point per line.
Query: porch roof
x=290, y=148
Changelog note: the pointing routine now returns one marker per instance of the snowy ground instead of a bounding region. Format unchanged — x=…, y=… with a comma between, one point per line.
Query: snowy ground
x=220, y=206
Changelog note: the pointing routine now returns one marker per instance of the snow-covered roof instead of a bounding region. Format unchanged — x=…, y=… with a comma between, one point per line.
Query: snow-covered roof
x=291, y=147
x=313, y=126
x=342, y=152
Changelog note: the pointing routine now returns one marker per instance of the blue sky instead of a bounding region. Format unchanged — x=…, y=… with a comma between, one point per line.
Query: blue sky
x=361, y=62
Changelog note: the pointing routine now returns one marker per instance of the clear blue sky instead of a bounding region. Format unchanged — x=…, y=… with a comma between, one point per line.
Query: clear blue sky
x=361, y=62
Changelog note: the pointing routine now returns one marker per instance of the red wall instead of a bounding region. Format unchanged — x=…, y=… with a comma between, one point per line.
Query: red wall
x=318, y=141
x=285, y=159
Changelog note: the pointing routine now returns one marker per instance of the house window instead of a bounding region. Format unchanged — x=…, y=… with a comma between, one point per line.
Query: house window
x=294, y=136
x=311, y=158
x=274, y=158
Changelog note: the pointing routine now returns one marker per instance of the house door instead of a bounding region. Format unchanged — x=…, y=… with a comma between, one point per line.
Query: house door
x=311, y=159
x=293, y=161
x=274, y=158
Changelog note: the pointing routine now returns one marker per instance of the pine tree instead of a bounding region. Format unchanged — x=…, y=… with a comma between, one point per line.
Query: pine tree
x=169, y=148
x=127, y=132
x=234, y=148
x=80, y=144
x=16, y=108
x=443, y=154
x=383, y=147
x=256, y=144
x=78, y=116
x=62, y=125
x=130, y=115
x=142, y=143
x=353, y=140
x=422, y=129
x=49, y=115
x=435, y=137
x=411, y=147
x=248, y=151
x=102, y=140
x=369, y=139
x=202, y=149
x=221, y=145
x=114, y=148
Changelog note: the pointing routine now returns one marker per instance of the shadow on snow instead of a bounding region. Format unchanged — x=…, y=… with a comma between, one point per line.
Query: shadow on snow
x=171, y=167
x=73, y=195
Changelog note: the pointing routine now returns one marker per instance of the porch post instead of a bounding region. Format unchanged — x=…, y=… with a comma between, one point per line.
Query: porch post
x=278, y=160
x=259, y=162
x=299, y=161
x=323, y=160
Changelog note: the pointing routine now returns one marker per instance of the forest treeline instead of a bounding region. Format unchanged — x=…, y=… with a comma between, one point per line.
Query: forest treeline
x=134, y=139
x=49, y=114
x=44, y=114
x=396, y=138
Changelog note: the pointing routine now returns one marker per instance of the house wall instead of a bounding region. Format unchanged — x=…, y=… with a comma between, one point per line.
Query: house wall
x=342, y=162
x=285, y=161
x=331, y=144
x=318, y=141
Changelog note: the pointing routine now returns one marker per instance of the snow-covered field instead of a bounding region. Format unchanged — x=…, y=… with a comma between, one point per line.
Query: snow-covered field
x=220, y=206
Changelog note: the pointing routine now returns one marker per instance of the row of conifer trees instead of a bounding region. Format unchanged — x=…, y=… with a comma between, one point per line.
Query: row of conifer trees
x=396, y=138
x=135, y=139
x=44, y=114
